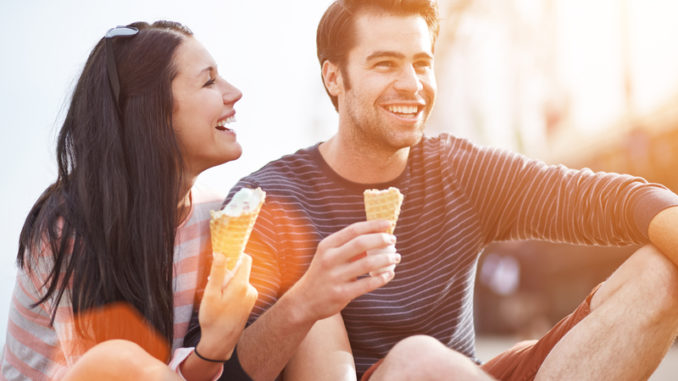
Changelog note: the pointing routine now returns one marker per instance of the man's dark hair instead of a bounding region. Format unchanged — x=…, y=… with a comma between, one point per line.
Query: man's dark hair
x=336, y=30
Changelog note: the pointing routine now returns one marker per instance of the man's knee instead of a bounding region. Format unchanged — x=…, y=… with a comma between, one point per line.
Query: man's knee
x=423, y=357
x=425, y=350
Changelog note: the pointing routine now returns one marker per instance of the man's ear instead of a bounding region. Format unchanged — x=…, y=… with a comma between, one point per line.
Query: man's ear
x=332, y=78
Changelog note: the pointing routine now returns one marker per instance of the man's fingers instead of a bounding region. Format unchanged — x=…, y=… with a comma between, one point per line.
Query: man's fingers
x=361, y=244
x=354, y=230
x=371, y=263
x=370, y=283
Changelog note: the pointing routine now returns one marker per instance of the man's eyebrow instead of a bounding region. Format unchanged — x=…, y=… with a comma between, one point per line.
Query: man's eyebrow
x=384, y=54
x=423, y=55
x=392, y=54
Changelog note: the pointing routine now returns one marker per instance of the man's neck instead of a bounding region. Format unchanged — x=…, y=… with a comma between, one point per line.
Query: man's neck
x=362, y=164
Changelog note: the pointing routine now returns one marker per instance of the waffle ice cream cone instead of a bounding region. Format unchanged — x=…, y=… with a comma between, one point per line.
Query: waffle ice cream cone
x=383, y=205
x=230, y=227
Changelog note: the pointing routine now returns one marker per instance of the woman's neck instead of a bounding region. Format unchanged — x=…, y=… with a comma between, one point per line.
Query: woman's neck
x=186, y=201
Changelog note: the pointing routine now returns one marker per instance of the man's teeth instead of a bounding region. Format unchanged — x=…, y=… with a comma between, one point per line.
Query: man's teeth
x=403, y=109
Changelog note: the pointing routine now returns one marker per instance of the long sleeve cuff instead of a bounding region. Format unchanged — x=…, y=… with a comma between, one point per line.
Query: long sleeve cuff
x=649, y=203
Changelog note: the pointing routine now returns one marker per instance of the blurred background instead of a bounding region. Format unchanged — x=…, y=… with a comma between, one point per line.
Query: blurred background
x=585, y=83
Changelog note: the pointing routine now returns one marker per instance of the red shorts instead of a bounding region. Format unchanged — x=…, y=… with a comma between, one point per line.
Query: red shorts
x=522, y=361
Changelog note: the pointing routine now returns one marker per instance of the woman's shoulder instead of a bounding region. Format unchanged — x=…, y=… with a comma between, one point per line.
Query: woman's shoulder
x=203, y=200
x=202, y=195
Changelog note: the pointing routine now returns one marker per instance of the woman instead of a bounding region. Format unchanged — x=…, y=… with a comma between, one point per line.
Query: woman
x=111, y=256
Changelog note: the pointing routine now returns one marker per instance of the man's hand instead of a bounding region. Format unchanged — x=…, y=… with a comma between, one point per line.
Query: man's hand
x=335, y=276
x=333, y=279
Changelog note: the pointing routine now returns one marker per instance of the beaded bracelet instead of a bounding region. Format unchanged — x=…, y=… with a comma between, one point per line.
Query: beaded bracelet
x=195, y=350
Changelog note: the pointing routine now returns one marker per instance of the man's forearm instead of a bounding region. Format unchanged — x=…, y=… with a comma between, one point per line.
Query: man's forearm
x=268, y=344
x=324, y=354
x=663, y=233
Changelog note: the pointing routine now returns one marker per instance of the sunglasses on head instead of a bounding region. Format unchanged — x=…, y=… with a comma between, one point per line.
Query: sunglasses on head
x=112, y=69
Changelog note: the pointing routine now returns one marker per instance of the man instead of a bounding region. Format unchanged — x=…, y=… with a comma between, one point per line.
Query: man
x=377, y=66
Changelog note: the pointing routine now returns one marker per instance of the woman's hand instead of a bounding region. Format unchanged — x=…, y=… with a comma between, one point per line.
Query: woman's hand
x=225, y=307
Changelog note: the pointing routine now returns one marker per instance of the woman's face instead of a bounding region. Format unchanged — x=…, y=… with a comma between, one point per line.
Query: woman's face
x=203, y=109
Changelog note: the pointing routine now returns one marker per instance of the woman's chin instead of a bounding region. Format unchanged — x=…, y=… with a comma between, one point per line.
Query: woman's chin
x=233, y=155
x=236, y=153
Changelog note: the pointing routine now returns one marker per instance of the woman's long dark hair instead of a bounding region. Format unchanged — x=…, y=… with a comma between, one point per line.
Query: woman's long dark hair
x=109, y=220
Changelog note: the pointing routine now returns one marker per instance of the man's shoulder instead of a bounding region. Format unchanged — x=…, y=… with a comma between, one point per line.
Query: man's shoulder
x=444, y=143
x=453, y=149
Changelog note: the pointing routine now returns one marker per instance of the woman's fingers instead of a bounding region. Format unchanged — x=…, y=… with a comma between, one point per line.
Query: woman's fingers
x=239, y=291
x=217, y=275
x=242, y=272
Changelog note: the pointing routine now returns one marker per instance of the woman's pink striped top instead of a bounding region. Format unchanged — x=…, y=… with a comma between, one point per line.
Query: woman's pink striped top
x=37, y=351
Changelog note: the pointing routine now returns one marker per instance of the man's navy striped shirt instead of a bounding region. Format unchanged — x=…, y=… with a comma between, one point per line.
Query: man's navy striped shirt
x=458, y=197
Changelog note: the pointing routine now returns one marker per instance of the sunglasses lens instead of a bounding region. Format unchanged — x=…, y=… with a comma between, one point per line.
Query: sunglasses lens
x=121, y=31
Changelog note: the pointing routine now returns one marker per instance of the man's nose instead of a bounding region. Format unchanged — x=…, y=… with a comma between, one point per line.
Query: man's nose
x=409, y=80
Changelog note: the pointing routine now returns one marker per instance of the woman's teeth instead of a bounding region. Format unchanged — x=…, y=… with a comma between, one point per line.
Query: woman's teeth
x=224, y=122
x=221, y=125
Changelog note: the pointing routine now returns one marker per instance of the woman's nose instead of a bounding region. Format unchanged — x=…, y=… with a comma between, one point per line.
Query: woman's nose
x=231, y=94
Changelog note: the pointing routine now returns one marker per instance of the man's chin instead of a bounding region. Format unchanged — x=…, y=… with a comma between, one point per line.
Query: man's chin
x=407, y=141
x=417, y=139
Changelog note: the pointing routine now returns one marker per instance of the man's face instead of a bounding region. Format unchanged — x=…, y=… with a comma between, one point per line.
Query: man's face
x=392, y=84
